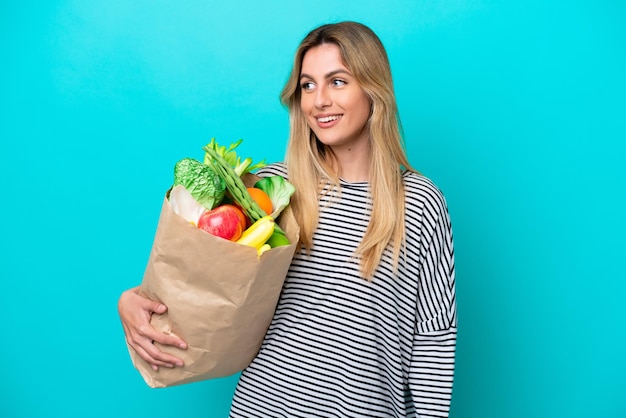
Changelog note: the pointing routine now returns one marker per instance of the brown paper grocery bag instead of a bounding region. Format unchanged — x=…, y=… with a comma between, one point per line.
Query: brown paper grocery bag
x=220, y=296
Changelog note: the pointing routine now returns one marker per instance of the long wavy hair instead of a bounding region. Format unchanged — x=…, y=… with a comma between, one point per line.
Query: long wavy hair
x=309, y=162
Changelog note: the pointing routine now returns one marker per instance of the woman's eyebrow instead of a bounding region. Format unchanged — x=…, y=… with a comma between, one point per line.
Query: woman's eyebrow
x=328, y=75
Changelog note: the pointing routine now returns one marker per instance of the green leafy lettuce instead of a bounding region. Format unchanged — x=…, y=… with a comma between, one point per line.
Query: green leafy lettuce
x=204, y=184
x=279, y=190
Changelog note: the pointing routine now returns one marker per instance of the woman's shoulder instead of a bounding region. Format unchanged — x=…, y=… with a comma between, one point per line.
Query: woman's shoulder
x=422, y=192
x=273, y=169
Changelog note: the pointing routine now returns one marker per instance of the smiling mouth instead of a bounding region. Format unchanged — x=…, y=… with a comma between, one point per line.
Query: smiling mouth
x=328, y=118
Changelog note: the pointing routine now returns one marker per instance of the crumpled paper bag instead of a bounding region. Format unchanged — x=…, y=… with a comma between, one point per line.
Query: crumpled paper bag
x=220, y=295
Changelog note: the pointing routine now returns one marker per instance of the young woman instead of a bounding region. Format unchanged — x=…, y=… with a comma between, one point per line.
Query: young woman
x=366, y=323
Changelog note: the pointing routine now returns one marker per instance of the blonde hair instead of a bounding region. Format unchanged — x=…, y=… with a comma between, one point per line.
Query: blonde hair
x=309, y=161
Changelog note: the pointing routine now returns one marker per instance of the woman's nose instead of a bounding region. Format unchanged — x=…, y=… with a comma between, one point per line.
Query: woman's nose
x=322, y=98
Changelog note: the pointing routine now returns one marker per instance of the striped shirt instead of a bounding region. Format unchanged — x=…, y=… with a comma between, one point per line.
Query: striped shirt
x=342, y=346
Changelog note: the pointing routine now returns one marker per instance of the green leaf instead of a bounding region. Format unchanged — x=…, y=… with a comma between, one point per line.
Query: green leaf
x=232, y=159
x=201, y=181
x=279, y=190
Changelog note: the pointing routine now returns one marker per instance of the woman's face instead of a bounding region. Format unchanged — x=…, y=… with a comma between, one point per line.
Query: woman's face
x=335, y=106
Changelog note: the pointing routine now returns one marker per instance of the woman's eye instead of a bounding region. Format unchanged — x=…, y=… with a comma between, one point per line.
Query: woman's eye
x=338, y=82
x=307, y=85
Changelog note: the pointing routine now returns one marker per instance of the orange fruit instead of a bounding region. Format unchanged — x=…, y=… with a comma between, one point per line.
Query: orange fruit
x=262, y=199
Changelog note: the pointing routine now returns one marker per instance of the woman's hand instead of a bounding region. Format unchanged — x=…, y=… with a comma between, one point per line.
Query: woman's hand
x=135, y=312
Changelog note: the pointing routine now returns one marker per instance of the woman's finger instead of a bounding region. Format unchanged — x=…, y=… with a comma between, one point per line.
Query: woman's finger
x=154, y=363
x=148, y=331
x=146, y=349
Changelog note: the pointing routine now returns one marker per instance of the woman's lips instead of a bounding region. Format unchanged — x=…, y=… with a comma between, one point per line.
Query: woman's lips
x=326, y=121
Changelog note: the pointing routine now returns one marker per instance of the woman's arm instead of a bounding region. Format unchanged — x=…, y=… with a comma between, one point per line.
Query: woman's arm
x=431, y=372
x=135, y=312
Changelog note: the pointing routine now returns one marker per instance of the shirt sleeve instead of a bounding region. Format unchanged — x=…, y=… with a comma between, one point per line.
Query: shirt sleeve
x=274, y=169
x=431, y=369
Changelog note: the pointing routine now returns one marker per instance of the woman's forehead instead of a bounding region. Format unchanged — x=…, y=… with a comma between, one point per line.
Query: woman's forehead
x=322, y=60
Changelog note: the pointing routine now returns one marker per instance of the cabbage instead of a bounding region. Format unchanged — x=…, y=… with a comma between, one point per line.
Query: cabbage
x=185, y=205
x=204, y=184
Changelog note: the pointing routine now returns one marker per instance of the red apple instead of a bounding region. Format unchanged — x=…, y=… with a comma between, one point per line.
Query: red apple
x=225, y=221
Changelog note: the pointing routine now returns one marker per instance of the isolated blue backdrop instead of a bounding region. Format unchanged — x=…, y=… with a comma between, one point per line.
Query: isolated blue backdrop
x=515, y=109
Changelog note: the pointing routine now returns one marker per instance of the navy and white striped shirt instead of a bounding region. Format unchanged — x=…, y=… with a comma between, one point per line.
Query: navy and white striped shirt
x=342, y=346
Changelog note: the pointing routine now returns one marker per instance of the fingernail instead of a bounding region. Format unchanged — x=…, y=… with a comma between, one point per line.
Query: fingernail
x=179, y=364
x=155, y=367
x=183, y=346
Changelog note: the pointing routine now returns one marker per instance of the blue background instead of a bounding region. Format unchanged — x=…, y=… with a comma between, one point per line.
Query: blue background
x=516, y=109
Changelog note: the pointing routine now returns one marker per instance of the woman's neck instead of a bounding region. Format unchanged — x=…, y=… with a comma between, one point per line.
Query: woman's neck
x=352, y=164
